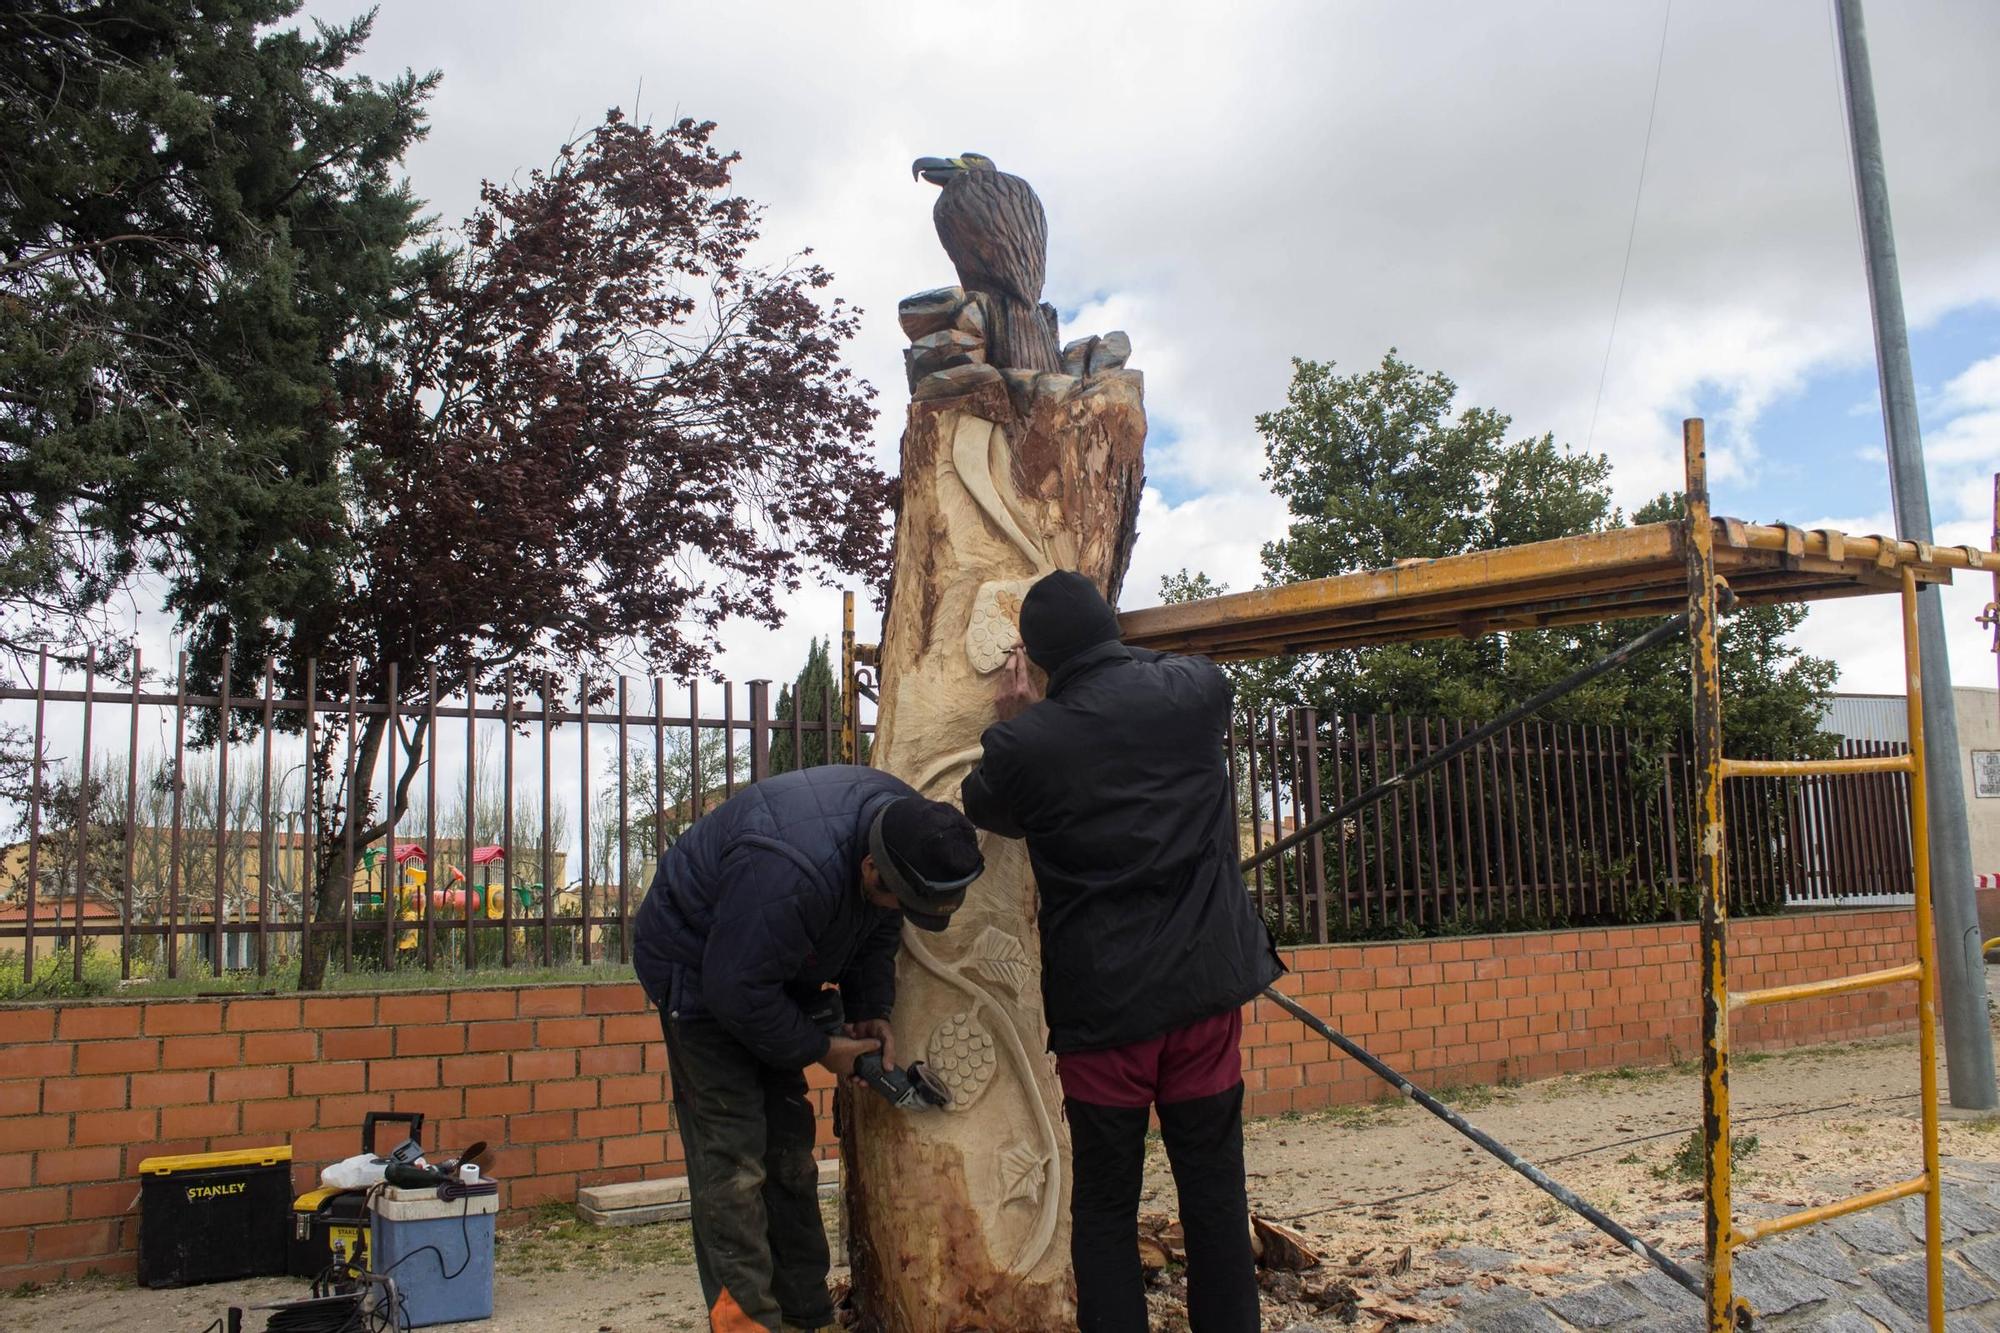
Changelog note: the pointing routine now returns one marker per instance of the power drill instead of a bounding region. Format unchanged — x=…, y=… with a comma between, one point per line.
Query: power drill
x=912, y=1088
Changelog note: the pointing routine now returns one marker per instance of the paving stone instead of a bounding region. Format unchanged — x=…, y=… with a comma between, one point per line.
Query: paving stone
x=1774, y=1285
x=1907, y=1285
x=1886, y=1312
x=1491, y=1298
x=1664, y=1294
x=1984, y=1256
x=1847, y=1321
x=1479, y=1258
x=1985, y=1316
x=1970, y=1214
x=1525, y=1317
x=1968, y=1168
x=1961, y=1216
x=1877, y=1232
x=1596, y=1307
x=1665, y=1307
x=1818, y=1253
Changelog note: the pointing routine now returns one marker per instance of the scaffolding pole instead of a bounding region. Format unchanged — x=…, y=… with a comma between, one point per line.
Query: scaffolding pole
x=1721, y=1235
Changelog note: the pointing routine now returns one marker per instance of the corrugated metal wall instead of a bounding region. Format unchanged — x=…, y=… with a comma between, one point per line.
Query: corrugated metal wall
x=1868, y=717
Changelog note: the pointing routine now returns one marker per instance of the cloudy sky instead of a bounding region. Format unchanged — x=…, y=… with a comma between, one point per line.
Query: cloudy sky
x=1236, y=185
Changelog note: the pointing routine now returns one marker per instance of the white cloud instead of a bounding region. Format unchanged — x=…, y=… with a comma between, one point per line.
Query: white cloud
x=1218, y=534
x=1239, y=185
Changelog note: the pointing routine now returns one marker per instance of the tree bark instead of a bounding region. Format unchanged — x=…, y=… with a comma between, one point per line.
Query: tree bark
x=958, y=1219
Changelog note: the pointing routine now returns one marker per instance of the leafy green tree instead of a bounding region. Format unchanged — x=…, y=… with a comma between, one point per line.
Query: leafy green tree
x=1378, y=466
x=201, y=231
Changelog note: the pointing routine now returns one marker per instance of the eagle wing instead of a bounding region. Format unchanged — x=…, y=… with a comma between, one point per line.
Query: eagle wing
x=995, y=233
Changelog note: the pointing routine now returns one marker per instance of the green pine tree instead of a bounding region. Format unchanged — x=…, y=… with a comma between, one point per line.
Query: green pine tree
x=813, y=697
x=202, y=229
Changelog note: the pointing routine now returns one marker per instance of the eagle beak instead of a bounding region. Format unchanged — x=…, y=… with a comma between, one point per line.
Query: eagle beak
x=936, y=170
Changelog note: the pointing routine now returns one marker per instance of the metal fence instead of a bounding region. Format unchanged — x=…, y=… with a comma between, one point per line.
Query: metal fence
x=527, y=834
x=530, y=823
x=1547, y=824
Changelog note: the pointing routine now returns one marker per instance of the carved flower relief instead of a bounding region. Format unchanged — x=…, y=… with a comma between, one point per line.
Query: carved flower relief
x=960, y=1052
x=994, y=626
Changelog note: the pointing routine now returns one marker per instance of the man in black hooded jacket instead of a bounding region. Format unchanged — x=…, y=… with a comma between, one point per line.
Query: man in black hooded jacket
x=1150, y=945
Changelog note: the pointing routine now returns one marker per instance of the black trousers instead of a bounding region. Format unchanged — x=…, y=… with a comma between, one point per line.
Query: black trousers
x=1204, y=1142
x=753, y=1185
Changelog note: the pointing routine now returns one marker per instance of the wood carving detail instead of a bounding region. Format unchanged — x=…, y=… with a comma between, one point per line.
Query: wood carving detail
x=959, y=1219
x=960, y=1052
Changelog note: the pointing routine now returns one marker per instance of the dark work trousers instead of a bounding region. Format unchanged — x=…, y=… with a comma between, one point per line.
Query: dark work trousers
x=1203, y=1136
x=747, y=1130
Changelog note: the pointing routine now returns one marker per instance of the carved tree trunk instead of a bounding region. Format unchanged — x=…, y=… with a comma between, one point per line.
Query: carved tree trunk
x=959, y=1219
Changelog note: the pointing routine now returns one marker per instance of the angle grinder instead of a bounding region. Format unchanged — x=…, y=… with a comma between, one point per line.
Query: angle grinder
x=444, y=1177
x=911, y=1088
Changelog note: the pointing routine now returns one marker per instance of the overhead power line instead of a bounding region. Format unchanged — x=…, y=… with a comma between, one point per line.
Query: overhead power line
x=1632, y=230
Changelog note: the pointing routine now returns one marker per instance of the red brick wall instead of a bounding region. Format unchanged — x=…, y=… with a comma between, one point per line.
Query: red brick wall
x=1489, y=1008
x=568, y=1082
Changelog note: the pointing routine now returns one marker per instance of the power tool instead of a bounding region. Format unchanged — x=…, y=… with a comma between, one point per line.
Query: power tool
x=912, y=1088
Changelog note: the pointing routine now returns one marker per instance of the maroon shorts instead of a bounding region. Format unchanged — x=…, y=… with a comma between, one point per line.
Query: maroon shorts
x=1199, y=1060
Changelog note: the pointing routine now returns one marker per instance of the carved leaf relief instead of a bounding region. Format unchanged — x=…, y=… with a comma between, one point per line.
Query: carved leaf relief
x=960, y=1052
x=999, y=958
x=1022, y=1172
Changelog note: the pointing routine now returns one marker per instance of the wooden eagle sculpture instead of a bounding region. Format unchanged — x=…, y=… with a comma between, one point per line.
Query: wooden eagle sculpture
x=997, y=237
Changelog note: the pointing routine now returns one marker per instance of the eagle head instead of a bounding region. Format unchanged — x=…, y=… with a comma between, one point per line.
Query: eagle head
x=942, y=170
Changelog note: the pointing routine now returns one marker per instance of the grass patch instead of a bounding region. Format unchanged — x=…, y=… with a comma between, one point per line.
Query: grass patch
x=1624, y=1076
x=1689, y=1161
x=1346, y=1115
x=556, y=1240
x=1355, y=1115
x=56, y=979
x=1472, y=1096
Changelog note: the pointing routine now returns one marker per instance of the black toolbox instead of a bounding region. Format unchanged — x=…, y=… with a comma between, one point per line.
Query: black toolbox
x=207, y=1217
x=329, y=1224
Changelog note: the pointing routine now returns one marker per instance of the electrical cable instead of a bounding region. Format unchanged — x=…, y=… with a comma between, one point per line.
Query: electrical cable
x=1632, y=231
x=1590, y=1152
x=339, y=1304
x=465, y=1233
x=329, y=1315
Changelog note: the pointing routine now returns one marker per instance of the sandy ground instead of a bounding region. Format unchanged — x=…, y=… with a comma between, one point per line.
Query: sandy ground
x=1366, y=1183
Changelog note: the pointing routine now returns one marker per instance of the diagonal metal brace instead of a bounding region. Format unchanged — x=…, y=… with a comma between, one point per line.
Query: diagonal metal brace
x=1618, y=657
x=1560, y=1192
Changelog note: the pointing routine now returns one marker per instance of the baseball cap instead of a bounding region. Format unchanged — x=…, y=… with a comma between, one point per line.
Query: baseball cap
x=927, y=853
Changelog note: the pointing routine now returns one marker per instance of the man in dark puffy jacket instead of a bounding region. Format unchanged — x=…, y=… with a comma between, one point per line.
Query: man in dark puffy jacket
x=795, y=883
x=1150, y=946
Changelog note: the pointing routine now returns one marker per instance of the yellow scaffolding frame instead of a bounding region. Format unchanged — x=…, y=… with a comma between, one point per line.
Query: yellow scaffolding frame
x=1722, y=1234
x=1704, y=563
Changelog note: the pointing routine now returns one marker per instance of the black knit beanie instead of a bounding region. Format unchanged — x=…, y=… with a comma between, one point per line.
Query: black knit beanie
x=1062, y=615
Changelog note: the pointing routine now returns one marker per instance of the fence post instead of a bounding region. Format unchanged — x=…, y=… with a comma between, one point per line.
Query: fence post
x=760, y=730
x=218, y=946
x=1308, y=719
x=850, y=693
